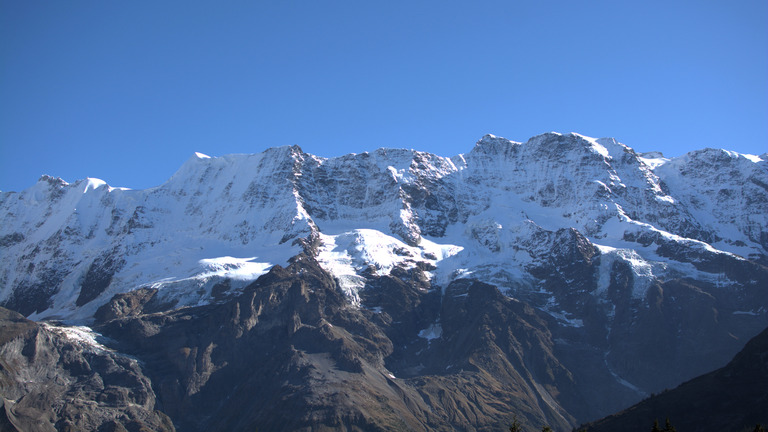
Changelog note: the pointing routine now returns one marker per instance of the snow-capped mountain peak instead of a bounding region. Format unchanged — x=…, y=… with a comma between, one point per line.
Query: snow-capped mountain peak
x=494, y=207
x=545, y=275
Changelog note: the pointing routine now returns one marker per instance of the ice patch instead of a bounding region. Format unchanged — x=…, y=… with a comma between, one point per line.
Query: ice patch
x=93, y=183
x=338, y=262
x=234, y=268
x=80, y=335
x=564, y=320
x=653, y=159
x=434, y=331
x=596, y=146
x=644, y=272
x=664, y=198
x=751, y=312
x=348, y=254
x=752, y=158
x=600, y=149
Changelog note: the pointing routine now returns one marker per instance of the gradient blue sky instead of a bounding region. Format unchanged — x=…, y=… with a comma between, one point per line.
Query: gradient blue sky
x=127, y=91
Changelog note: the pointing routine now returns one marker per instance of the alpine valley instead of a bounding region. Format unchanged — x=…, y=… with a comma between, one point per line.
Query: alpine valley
x=555, y=282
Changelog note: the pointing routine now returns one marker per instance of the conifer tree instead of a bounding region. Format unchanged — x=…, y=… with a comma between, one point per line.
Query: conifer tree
x=668, y=426
x=516, y=426
x=655, y=427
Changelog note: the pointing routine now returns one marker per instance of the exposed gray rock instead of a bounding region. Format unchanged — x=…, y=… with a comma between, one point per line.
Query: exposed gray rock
x=53, y=379
x=290, y=354
x=558, y=279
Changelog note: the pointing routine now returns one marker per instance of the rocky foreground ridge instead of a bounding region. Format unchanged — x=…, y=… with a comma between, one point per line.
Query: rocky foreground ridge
x=557, y=280
x=732, y=398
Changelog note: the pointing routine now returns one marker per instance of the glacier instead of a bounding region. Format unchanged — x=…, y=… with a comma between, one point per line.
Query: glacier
x=567, y=269
x=491, y=214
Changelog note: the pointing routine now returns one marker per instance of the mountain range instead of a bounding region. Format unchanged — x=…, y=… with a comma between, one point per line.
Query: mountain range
x=555, y=281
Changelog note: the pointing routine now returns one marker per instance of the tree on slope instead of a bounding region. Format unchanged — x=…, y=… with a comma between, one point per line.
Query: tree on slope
x=667, y=426
x=655, y=427
x=516, y=426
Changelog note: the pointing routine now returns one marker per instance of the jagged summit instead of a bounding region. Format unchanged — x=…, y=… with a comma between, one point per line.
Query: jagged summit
x=651, y=154
x=490, y=139
x=483, y=202
x=55, y=181
x=607, y=255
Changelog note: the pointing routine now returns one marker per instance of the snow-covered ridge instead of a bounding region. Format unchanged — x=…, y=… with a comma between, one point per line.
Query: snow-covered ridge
x=484, y=214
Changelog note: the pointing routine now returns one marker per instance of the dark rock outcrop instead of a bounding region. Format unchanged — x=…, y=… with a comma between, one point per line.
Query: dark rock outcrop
x=733, y=398
x=53, y=380
x=557, y=280
x=290, y=353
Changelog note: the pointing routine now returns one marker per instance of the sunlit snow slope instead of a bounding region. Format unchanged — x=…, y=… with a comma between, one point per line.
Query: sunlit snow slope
x=506, y=213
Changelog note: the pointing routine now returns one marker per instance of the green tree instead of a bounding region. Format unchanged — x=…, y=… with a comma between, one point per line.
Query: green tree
x=516, y=426
x=546, y=428
x=759, y=428
x=668, y=426
x=655, y=427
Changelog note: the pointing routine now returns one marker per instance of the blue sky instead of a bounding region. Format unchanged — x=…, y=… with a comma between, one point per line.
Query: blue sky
x=127, y=91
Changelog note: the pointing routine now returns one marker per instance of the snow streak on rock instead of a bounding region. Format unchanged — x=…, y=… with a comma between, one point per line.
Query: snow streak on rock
x=491, y=214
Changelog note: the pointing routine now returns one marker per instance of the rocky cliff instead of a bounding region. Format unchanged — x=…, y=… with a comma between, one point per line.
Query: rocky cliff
x=732, y=398
x=559, y=279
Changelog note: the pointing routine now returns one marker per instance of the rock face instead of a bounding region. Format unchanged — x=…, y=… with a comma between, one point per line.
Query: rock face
x=290, y=354
x=556, y=280
x=57, y=378
x=737, y=392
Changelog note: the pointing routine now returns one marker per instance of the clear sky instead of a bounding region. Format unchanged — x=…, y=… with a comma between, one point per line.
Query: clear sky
x=127, y=91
